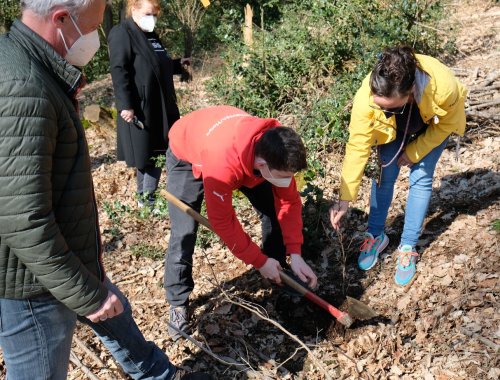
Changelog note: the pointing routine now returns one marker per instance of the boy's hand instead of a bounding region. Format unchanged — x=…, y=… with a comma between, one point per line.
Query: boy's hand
x=271, y=270
x=303, y=271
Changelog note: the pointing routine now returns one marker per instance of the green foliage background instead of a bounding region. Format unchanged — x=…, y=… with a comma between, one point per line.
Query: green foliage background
x=305, y=66
x=9, y=10
x=311, y=61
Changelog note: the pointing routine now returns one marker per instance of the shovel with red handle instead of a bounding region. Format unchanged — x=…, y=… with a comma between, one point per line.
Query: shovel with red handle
x=342, y=317
x=362, y=311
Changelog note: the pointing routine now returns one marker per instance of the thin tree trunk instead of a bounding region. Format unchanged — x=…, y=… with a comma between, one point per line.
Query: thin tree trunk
x=187, y=75
x=248, y=28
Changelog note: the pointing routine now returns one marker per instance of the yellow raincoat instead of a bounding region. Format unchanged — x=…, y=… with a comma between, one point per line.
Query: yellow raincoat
x=441, y=107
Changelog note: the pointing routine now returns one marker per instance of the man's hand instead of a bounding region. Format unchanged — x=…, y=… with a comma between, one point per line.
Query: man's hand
x=127, y=115
x=404, y=160
x=186, y=61
x=337, y=212
x=271, y=270
x=110, y=308
x=187, y=73
x=302, y=270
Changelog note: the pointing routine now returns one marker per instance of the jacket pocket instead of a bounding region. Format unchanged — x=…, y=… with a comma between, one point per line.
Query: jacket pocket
x=383, y=132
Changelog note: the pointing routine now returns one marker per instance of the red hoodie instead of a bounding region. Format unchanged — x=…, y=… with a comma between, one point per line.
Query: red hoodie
x=220, y=142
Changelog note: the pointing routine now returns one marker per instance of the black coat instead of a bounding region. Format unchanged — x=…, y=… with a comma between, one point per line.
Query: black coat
x=141, y=84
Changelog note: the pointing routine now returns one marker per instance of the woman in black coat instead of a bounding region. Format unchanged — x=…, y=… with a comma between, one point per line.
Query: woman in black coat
x=142, y=74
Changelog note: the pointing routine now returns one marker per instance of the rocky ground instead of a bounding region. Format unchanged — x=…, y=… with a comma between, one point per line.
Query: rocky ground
x=444, y=326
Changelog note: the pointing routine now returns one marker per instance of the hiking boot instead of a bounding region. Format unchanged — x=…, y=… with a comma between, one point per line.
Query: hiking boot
x=181, y=374
x=407, y=265
x=179, y=317
x=370, y=249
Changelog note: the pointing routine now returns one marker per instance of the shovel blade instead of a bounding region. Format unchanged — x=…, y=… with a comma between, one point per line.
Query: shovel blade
x=360, y=310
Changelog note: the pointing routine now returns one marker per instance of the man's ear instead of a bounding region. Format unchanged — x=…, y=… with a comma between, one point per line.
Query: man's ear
x=59, y=17
x=259, y=162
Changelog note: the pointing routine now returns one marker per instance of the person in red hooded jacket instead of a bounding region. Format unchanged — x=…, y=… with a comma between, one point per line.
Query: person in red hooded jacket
x=214, y=151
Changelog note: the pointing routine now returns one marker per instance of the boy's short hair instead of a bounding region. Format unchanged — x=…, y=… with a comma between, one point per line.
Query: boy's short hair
x=282, y=149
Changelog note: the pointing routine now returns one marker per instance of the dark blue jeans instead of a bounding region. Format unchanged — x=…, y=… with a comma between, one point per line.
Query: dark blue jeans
x=36, y=334
x=178, y=280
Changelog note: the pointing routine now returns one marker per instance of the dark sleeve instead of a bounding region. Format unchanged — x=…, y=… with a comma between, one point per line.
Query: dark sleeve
x=176, y=66
x=120, y=61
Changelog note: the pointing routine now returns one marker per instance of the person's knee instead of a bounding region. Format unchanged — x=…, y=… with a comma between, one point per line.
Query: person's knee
x=421, y=179
x=182, y=226
x=188, y=241
x=384, y=185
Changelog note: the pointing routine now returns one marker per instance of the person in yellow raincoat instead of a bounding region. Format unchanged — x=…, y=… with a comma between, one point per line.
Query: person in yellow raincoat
x=407, y=107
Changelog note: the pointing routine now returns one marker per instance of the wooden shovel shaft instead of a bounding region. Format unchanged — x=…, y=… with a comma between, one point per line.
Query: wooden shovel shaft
x=184, y=207
x=311, y=296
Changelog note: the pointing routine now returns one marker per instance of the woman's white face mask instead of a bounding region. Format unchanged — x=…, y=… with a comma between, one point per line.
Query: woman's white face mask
x=147, y=23
x=278, y=182
x=83, y=49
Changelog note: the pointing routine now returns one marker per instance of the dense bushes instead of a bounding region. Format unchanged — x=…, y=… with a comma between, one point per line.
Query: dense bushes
x=305, y=69
x=9, y=10
x=311, y=62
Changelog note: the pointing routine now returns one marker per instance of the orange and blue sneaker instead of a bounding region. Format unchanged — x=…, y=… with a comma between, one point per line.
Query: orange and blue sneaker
x=407, y=265
x=370, y=249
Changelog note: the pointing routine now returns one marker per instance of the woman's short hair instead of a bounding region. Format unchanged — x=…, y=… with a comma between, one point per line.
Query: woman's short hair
x=394, y=72
x=137, y=3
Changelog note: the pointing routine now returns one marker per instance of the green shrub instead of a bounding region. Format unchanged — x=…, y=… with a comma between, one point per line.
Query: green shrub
x=9, y=10
x=495, y=225
x=306, y=68
x=147, y=250
x=311, y=63
x=115, y=211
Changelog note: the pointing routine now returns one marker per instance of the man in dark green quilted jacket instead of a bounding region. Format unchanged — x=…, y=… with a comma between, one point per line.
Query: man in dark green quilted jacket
x=51, y=272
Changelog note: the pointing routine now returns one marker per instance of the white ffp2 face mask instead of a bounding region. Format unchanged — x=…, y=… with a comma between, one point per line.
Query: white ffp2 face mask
x=83, y=49
x=278, y=182
x=147, y=23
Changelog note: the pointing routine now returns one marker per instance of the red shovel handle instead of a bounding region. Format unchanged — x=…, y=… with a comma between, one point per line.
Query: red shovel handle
x=312, y=297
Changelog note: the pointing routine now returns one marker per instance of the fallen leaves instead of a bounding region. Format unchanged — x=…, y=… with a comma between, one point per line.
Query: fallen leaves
x=446, y=326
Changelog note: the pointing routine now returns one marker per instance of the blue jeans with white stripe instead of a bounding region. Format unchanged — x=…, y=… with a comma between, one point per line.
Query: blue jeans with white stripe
x=419, y=195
